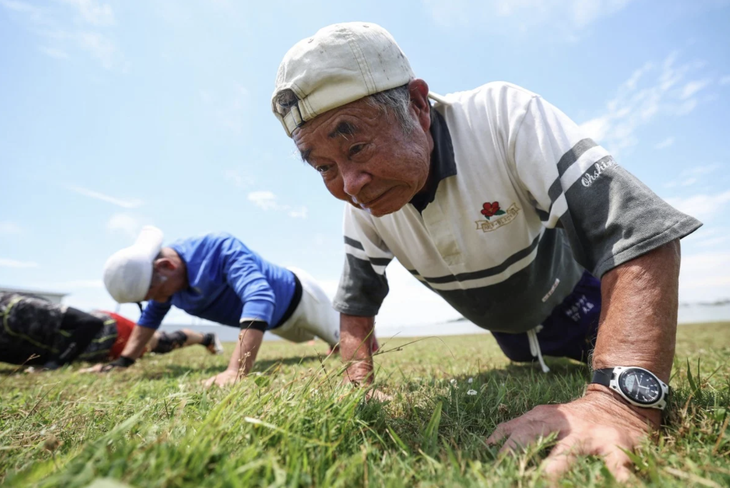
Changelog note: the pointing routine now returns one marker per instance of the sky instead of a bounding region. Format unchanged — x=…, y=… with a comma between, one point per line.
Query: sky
x=118, y=114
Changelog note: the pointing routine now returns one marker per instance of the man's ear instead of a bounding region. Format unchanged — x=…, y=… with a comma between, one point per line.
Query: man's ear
x=418, y=90
x=164, y=264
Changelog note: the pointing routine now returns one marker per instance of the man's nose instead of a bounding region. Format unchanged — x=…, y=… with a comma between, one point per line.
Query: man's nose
x=354, y=178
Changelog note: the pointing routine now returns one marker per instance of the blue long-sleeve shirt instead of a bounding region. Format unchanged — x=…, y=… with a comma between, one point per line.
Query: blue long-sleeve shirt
x=227, y=282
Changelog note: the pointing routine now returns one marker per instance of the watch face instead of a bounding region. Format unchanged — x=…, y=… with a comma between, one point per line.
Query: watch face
x=640, y=386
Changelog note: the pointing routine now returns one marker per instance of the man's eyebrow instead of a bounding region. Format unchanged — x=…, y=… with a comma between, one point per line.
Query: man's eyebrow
x=343, y=129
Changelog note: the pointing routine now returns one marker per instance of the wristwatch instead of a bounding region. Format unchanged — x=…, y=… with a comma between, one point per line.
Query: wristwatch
x=638, y=386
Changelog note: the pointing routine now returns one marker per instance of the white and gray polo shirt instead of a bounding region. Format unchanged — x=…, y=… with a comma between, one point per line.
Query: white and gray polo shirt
x=525, y=202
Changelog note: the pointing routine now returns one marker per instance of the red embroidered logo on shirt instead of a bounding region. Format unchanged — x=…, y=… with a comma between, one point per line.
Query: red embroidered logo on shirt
x=491, y=209
x=501, y=217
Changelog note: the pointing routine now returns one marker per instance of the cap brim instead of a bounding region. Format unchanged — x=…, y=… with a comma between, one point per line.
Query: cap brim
x=149, y=242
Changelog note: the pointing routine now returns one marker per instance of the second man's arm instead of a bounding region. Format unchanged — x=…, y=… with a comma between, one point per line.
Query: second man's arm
x=355, y=335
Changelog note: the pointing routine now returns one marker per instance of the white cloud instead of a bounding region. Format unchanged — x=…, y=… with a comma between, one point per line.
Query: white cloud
x=586, y=12
x=702, y=206
x=300, y=213
x=24, y=7
x=692, y=175
x=93, y=12
x=54, y=52
x=665, y=143
x=7, y=228
x=237, y=178
x=133, y=203
x=99, y=47
x=650, y=92
x=52, y=25
x=124, y=223
x=701, y=170
x=693, y=87
x=12, y=263
x=266, y=200
x=519, y=17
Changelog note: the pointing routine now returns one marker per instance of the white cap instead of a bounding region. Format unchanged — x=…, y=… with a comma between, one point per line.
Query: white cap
x=340, y=64
x=128, y=273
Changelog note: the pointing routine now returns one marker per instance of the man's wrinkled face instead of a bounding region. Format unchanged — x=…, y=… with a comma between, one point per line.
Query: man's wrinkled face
x=365, y=157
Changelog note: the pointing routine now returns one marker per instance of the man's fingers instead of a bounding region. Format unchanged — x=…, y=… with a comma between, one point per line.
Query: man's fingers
x=97, y=368
x=561, y=458
x=617, y=463
x=528, y=426
x=503, y=430
x=527, y=432
x=564, y=454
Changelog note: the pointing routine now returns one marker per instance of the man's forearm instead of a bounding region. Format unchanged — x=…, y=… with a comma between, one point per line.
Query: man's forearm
x=137, y=341
x=247, y=348
x=639, y=313
x=355, y=335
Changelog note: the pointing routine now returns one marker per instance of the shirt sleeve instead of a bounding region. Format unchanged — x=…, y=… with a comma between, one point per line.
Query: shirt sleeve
x=609, y=216
x=153, y=314
x=363, y=284
x=244, y=275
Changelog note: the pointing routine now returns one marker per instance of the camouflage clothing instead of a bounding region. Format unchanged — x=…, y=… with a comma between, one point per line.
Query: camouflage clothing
x=36, y=331
x=99, y=349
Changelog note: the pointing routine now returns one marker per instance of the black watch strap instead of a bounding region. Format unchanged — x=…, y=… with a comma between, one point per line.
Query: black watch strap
x=602, y=376
x=120, y=362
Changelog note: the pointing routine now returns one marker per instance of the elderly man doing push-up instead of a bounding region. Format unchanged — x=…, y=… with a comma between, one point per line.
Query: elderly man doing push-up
x=498, y=202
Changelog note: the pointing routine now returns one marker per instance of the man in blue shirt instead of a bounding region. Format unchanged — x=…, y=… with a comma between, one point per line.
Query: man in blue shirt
x=216, y=277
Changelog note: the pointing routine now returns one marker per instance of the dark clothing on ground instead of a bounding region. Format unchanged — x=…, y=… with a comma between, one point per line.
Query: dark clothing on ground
x=37, y=331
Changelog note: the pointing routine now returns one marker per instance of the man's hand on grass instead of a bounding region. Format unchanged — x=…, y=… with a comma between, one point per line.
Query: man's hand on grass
x=97, y=368
x=122, y=362
x=226, y=378
x=101, y=368
x=598, y=424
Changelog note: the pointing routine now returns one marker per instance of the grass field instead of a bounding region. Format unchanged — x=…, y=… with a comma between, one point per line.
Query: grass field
x=291, y=424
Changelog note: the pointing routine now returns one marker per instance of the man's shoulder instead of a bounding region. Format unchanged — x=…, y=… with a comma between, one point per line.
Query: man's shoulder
x=495, y=109
x=197, y=248
x=495, y=93
x=211, y=238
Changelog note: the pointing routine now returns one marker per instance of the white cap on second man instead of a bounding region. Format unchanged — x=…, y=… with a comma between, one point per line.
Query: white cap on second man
x=128, y=273
x=341, y=63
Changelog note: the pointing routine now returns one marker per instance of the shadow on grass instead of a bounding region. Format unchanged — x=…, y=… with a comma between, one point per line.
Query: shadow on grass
x=264, y=366
x=11, y=370
x=469, y=406
x=558, y=366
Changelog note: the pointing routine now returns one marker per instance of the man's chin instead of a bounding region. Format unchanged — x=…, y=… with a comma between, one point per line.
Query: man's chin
x=377, y=211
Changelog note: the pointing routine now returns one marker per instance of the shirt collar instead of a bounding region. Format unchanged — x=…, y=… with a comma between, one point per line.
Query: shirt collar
x=443, y=164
